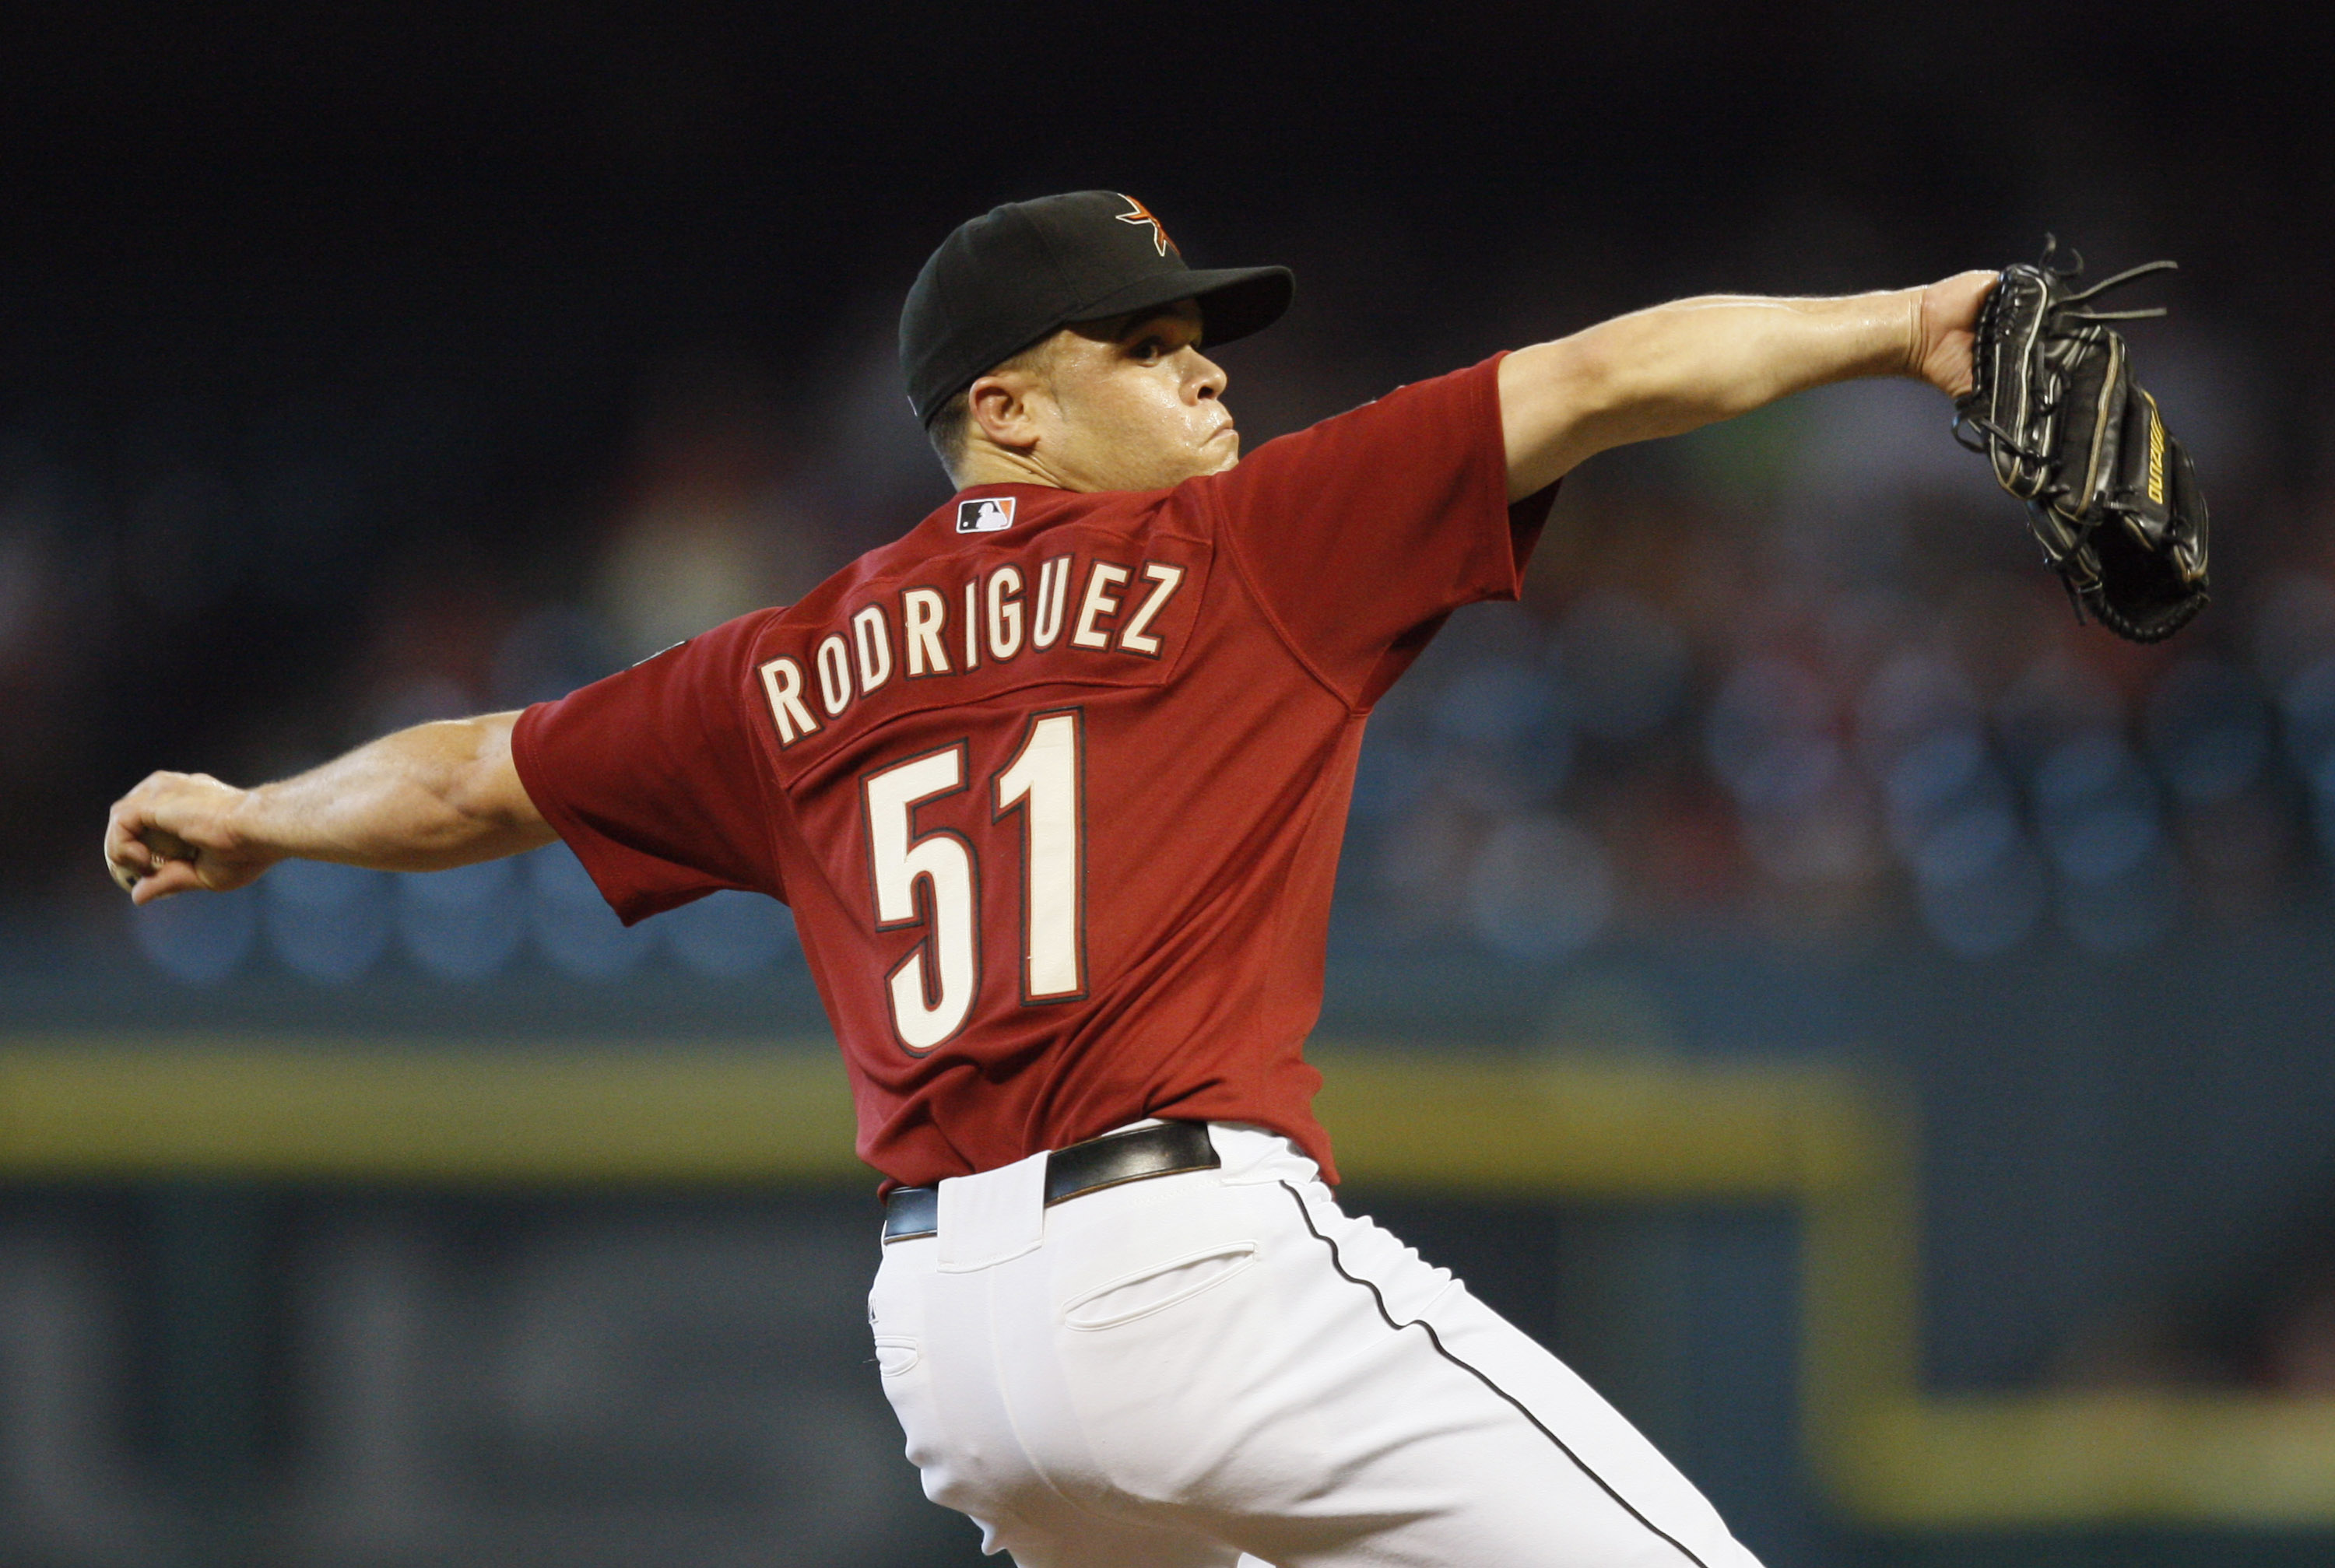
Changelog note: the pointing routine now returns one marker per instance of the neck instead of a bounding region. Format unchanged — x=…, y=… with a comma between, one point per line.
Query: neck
x=992, y=465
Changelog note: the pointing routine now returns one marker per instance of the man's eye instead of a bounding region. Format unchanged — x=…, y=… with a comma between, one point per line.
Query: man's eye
x=1150, y=348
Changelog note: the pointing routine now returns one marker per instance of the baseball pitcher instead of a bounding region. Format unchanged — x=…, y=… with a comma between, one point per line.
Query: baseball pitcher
x=1054, y=785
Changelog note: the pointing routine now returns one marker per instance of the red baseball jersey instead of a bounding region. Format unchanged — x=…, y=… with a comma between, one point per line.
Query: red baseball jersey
x=1055, y=783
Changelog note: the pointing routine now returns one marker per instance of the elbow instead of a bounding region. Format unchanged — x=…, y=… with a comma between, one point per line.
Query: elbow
x=1557, y=406
x=1581, y=380
x=491, y=812
x=1667, y=370
x=1628, y=393
x=1634, y=388
x=1595, y=372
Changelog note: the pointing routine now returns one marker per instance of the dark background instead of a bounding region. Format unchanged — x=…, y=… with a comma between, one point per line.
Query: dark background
x=365, y=364
x=390, y=290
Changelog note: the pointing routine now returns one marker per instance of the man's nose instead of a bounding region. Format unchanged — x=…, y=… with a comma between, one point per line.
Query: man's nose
x=1210, y=379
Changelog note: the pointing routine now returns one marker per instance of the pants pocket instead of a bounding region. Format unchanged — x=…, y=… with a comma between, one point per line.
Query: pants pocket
x=897, y=1357
x=1158, y=1287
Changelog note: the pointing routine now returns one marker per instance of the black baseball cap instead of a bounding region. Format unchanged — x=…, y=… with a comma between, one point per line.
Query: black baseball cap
x=1022, y=271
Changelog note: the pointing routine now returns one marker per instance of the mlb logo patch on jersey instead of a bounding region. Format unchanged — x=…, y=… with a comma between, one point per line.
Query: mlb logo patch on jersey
x=987, y=516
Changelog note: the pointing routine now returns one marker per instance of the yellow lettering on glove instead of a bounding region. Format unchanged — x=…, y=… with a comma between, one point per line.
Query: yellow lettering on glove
x=2156, y=453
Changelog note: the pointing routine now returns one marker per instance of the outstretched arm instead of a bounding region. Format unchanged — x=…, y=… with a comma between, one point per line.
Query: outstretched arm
x=1675, y=367
x=423, y=799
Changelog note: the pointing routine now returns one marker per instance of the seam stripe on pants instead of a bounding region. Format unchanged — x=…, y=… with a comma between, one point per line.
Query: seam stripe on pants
x=1436, y=1339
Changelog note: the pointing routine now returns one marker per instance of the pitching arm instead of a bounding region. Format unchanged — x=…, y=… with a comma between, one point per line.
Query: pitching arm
x=421, y=800
x=1676, y=367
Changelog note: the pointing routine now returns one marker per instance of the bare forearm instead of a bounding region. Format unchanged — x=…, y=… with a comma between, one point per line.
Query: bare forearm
x=421, y=799
x=1678, y=366
x=1682, y=365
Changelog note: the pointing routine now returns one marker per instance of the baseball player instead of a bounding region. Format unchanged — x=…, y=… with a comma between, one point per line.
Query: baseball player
x=1054, y=785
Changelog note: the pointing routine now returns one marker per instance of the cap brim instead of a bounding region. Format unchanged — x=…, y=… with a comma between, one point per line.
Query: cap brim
x=1234, y=301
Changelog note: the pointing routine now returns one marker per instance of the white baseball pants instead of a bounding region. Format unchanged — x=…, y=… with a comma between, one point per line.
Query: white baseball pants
x=1222, y=1367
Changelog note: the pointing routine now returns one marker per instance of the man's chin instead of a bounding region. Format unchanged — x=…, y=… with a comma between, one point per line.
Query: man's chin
x=1213, y=456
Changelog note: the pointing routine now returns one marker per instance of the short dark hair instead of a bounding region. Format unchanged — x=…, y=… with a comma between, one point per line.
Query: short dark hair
x=952, y=423
x=948, y=432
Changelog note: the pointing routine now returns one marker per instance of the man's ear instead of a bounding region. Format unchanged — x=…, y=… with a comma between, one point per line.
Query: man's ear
x=998, y=406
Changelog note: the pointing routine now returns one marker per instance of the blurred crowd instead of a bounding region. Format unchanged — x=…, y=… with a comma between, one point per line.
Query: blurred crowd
x=1809, y=678
x=1801, y=676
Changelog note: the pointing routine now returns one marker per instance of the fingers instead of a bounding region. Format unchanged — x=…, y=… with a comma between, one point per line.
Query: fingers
x=174, y=876
x=166, y=845
x=139, y=848
x=136, y=859
x=128, y=857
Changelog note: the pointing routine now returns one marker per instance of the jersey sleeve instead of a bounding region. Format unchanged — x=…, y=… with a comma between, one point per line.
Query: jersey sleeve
x=1360, y=535
x=653, y=778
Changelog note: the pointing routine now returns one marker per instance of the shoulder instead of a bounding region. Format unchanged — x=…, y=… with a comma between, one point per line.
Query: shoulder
x=1390, y=428
x=732, y=641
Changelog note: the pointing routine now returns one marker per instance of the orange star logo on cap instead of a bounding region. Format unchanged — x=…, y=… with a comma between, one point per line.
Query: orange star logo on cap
x=1139, y=214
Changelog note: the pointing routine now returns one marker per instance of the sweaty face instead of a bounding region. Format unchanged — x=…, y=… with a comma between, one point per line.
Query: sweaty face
x=1131, y=403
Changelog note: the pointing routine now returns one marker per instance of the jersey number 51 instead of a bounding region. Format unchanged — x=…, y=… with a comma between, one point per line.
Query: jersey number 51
x=934, y=880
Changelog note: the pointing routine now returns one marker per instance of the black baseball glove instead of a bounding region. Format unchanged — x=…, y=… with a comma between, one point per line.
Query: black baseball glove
x=2109, y=493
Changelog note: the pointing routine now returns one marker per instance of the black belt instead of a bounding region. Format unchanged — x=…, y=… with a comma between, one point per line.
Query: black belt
x=1167, y=1150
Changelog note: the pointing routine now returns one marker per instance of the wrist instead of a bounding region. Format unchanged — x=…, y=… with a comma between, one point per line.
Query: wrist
x=242, y=819
x=1912, y=339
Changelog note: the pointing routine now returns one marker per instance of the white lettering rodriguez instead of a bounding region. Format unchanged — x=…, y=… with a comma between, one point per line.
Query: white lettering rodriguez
x=1118, y=611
